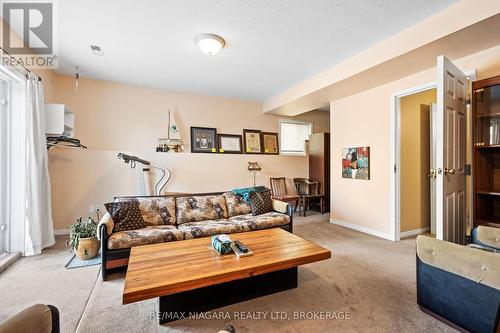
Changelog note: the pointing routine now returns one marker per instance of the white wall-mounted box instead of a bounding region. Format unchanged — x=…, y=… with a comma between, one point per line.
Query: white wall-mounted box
x=59, y=120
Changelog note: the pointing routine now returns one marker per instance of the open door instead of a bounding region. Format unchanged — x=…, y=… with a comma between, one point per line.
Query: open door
x=433, y=165
x=451, y=141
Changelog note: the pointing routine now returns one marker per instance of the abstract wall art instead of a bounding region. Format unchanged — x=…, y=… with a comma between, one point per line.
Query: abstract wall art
x=356, y=163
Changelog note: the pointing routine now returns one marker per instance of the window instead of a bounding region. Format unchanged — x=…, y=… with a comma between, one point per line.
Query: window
x=293, y=135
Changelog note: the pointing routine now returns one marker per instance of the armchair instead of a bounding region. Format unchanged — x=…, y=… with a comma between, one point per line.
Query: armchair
x=458, y=285
x=486, y=236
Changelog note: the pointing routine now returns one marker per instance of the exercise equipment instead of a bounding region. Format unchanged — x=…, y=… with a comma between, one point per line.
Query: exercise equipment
x=143, y=173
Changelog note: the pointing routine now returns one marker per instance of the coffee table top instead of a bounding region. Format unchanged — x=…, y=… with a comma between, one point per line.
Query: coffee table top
x=168, y=268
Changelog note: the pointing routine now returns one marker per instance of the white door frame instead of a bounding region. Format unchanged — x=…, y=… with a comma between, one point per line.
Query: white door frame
x=396, y=154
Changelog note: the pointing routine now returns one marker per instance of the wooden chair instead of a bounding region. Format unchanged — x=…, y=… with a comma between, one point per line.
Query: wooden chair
x=309, y=190
x=280, y=191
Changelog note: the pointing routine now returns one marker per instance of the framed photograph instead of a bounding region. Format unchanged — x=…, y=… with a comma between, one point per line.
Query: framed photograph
x=230, y=143
x=270, y=143
x=356, y=163
x=252, y=141
x=203, y=140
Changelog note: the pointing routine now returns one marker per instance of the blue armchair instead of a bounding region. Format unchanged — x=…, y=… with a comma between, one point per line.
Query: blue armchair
x=459, y=285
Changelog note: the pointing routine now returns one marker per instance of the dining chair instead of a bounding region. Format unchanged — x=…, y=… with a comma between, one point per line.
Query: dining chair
x=308, y=190
x=280, y=191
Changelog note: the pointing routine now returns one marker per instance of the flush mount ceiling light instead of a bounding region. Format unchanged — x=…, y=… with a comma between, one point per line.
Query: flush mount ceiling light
x=210, y=44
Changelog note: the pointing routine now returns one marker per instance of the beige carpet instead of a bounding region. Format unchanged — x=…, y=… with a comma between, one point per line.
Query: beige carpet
x=371, y=279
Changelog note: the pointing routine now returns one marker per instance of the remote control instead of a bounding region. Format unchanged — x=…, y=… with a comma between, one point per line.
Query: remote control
x=241, y=247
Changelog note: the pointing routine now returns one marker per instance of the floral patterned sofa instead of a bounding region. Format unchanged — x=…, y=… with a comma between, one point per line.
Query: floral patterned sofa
x=178, y=217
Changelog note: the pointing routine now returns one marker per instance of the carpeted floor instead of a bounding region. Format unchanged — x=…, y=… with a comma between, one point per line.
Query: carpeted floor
x=370, y=280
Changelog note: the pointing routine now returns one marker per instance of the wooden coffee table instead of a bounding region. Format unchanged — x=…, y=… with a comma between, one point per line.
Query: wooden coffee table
x=190, y=277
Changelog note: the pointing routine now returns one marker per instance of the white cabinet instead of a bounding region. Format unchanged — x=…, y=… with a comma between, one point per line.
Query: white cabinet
x=59, y=120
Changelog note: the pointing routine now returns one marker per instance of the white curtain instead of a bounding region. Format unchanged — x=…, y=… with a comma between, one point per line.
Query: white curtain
x=39, y=227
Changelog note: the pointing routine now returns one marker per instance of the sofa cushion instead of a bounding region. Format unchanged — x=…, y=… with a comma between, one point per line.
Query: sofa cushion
x=208, y=228
x=236, y=205
x=155, y=210
x=150, y=235
x=261, y=202
x=126, y=215
x=249, y=222
x=200, y=208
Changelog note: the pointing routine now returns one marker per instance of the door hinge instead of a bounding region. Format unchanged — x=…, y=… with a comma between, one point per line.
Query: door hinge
x=467, y=169
x=3, y=227
x=395, y=168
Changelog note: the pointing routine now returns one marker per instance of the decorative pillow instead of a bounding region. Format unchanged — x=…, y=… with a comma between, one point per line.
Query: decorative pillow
x=126, y=215
x=261, y=202
x=159, y=210
x=236, y=205
x=200, y=208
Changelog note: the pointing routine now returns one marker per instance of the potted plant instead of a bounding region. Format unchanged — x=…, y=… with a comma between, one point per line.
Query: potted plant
x=83, y=238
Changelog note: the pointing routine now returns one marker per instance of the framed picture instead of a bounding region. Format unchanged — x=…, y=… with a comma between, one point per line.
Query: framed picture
x=203, y=140
x=230, y=143
x=270, y=143
x=356, y=163
x=252, y=142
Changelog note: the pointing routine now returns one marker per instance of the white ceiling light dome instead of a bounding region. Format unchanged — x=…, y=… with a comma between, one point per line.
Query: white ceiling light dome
x=210, y=44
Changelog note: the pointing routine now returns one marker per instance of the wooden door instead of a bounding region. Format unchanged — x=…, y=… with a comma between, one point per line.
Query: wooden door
x=451, y=204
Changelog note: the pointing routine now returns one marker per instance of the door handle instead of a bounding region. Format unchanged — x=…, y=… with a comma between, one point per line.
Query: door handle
x=449, y=171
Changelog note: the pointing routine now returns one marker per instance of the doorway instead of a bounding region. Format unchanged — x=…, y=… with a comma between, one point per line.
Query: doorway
x=413, y=139
x=416, y=182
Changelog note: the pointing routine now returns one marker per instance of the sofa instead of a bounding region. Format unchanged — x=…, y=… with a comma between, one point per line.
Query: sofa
x=458, y=285
x=179, y=217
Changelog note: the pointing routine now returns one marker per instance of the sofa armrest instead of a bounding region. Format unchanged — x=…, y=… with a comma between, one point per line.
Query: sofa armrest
x=38, y=318
x=280, y=206
x=106, y=221
x=284, y=208
x=486, y=236
x=476, y=265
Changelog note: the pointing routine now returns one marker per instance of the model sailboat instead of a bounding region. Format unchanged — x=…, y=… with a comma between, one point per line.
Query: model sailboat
x=173, y=142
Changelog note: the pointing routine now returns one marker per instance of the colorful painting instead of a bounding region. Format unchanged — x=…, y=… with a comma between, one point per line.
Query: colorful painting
x=356, y=163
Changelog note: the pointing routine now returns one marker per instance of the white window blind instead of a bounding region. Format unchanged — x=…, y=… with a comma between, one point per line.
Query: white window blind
x=293, y=136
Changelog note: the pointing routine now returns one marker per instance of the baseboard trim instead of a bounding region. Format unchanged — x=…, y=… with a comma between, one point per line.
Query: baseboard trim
x=415, y=232
x=365, y=230
x=61, y=232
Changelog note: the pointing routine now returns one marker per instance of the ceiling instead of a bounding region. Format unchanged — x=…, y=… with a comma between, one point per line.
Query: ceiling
x=271, y=45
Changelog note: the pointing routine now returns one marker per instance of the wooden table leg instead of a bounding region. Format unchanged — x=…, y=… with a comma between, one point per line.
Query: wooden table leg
x=321, y=204
x=306, y=205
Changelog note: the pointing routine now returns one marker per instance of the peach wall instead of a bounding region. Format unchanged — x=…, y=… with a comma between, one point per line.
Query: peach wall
x=364, y=119
x=320, y=120
x=112, y=118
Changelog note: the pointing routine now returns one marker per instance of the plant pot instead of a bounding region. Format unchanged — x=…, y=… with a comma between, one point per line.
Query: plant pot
x=88, y=248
